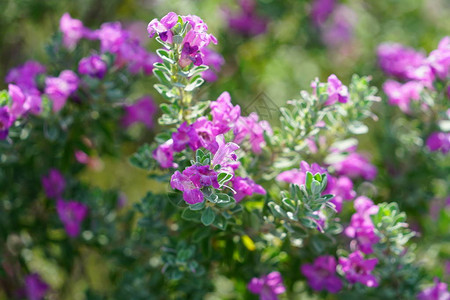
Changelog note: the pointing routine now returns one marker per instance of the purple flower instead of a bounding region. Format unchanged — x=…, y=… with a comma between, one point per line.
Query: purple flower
x=439, y=141
x=246, y=187
x=399, y=61
x=224, y=114
x=214, y=61
x=439, y=59
x=206, y=135
x=72, y=214
x=402, y=94
x=249, y=126
x=268, y=287
x=35, y=287
x=6, y=121
x=72, y=29
x=162, y=28
x=355, y=165
x=164, y=155
x=225, y=152
x=24, y=101
x=60, y=88
x=24, y=76
x=358, y=269
x=336, y=91
x=246, y=22
x=190, y=54
x=361, y=227
x=54, y=184
x=437, y=292
x=339, y=31
x=342, y=189
x=111, y=37
x=93, y=66
x=321, y=10
x=192, y=180
x=142, y=111
x=298, y=176
x=322, y=275
x=185, y=135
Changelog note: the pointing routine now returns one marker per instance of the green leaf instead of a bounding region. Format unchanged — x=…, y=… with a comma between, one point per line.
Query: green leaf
x=162, y=77
x=309, y=178
x=316, y=187
x=165, y=55
x=223, y=178
x=194, y=84
x=143, y=158
x=191, y=215
x=220, y=222
x=208, y=216
x=308, y=222
x=197, y=206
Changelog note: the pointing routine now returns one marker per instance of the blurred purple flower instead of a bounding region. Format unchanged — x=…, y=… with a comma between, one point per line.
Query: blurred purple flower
x=111, y=37
x=35, y=287
x=93, y=66
x=246, y=187
x=355, y=165
x=6, y=121
x=59, y=89
x=246, y=22
x=321, y=10
x=185, y=135
x=224, y=114
x=298, y=176
x=24, y=75
x=142, y=111
x=71, y=214
x=342, y=189
x=339, y=31
x=437, y=292
x=72, y=29
x=439, y=59
x=402, y=94
x=439, y=141
x=399, y=61
x=361, y=227
x=214, y=61
x=358, y=269
x=249, y=126
x=268, y=287
x=54, y=184
x=322, y=275
x=163, y=154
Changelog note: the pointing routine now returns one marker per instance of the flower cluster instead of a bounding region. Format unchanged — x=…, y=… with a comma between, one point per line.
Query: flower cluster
x=437, y=292
x=418, y=70
x=268, y=287
x=361, y=227
x=322, y=275
x=71, y=213
x=358, y=269
x=247, y=21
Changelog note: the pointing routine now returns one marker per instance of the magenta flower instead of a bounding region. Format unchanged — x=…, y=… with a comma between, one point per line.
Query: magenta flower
x=322, y=275
x=162, y=28
x=224, y=114
x=361, y=227
x=163, y=154
x=206, y=134
x=268, y=287
x=142, y=111
x=298, y=176
x=250, y=127
x=437, y=292
x=355, y=165
x=321, y=10
x=111, y=37
x=71, y=214
x=336, y=91
x=192, y=180
x=24, y=76
x=35, y=287
x=358, y=269
x=93, y=66
x=402, y=94
x=439, y=141
x=54, y=184
x=399, y=61
x=185, y=135
x=190, y=54
x=342, y=189
x=439, y=59
x=72, y=29
x=6, y=121
x=225, y=152
x=246, y=22
x=214, y=61
x=59, y=89
x=339, y=31
x=246, y=187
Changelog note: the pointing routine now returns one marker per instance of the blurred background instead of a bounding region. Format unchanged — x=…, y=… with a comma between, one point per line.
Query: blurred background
x=272, y=49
